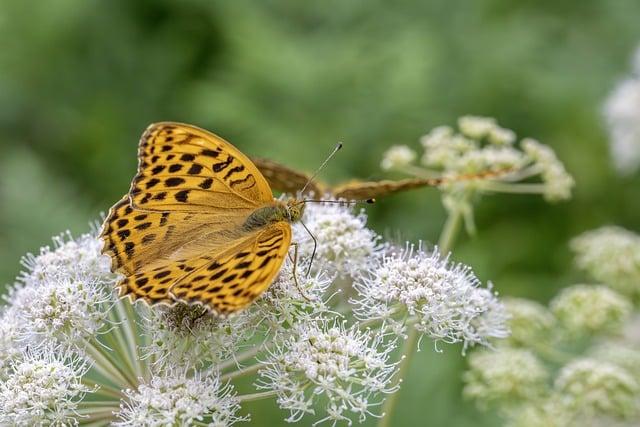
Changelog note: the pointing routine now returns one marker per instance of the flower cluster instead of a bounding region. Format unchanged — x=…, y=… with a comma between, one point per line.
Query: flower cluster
x=610, y=255
x=315, y=341
x=177, y=399
x=346, y=367
x=445, y=299
x=578, y=361
x=483, y=156
x=622, y=115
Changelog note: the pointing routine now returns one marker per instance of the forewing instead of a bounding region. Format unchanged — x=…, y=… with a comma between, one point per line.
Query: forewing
x=233, y=278
x=188, y=169
x=285, y=179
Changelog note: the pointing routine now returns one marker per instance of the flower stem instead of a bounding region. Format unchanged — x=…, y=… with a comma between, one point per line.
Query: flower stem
x=257, y=396
x=447, y=238
x=450, y=231
x=241, y=372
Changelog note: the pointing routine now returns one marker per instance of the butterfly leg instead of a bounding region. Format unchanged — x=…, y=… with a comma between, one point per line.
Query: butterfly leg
x=315, y=247
x=295, y=275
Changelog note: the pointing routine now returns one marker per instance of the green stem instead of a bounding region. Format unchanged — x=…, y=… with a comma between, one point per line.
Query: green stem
x=445, y=243
x=241, y=372
x=246, y=355
x=408, y=349
x=257, y=396
x=450, y=231
x=514, y=188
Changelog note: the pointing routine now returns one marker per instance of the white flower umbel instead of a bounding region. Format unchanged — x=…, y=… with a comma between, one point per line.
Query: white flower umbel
x=557, y=183
x=484, y=157
x=185, y=336
x=79, y=257
x=622, y=114
x=287, y=302
x=444, y=299
x=590, y=309
x=611, y=255
x=397, y=157
x=329, y=366
x=596, y=388
x=345, y=244
x=61, y=309
x=175, y=399
x=42, y=388
x=529, y=321
x=507, y=374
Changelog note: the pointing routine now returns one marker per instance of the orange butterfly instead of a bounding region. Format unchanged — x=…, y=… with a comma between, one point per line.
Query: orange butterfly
x=199, y=224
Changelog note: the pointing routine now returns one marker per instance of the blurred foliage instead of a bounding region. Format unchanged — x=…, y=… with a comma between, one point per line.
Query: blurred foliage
x=80, y=80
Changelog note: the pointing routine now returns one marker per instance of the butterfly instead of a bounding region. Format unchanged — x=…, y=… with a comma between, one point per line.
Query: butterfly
x=290, y=181
x=199, y=225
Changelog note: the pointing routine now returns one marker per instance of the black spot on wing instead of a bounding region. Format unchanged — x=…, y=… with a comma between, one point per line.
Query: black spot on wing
x=182, y=196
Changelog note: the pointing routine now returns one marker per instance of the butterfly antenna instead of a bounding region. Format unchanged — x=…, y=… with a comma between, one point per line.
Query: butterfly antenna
x=341, y=202
x=315, y=174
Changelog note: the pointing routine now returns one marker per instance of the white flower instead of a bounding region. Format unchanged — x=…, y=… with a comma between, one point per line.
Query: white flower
x=476, y=127
x=330, y=366
x=622, y=114
x=188, y=336
x=501, y=136
x=584, y=309
x=397, y=157
x=62, y=310
x=557, y=181
x=596, y=388
x=42, y=388
x=610, y=255
x=286, y=302
x=445, y=298
x=530, y=322
x=78, y=257
x=345, y=244
x=10, y=331
x=174, y=399
x=546, y=413
x=507, y=374
x=622, y=354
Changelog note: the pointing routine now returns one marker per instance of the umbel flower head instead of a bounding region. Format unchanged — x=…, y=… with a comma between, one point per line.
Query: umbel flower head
x=42, y=388
x=481, y=146
x=177, y=399
x=611, y=255
x=445, y=299
x=584, y=309
x=597, y=388
x=510, y=374
x=529, y=321
x=347, y=368
x=344, y=243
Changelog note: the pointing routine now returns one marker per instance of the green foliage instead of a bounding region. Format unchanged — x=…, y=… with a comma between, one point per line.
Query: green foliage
x=79, y=82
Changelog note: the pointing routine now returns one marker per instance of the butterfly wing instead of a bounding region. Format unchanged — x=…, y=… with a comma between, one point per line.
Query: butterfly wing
x=285, y=179
x=192, y=193
x=188, y=169
x=362, y=190
x=136, y=239
x=231, y=279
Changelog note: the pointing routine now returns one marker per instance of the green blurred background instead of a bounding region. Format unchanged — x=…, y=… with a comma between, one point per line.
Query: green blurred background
x=80, y=80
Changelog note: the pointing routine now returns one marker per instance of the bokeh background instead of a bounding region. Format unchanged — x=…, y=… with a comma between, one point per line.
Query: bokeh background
x=81, y=79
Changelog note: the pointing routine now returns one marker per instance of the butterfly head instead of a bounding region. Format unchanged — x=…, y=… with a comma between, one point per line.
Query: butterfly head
x=294, y=210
